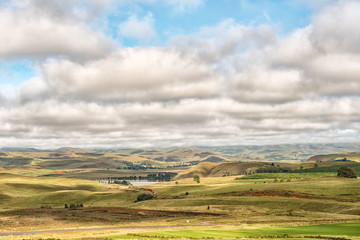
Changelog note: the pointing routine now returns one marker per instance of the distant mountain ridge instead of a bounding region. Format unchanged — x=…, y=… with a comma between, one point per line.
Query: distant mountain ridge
x=72, y=157
x=20, y=149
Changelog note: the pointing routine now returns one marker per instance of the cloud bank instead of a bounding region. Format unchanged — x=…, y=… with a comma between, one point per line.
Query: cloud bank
x=225, y=84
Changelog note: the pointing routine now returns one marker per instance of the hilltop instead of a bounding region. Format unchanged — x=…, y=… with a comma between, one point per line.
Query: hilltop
x=73, y=158
x=337, y=157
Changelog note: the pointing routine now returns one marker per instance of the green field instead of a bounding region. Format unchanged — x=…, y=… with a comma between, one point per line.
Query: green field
x=289, y=175
x=340, y=231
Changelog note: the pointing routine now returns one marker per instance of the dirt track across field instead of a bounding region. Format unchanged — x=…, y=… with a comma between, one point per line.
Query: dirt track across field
x=98, y=229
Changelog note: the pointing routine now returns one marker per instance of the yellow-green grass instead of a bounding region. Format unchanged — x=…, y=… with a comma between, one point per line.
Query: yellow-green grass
x=325, y=186
x=321, y=200
x=33, y=192
x=25, y=170
x=289, y=175
x=207, y=169
x=352, y=156
x=342, y=230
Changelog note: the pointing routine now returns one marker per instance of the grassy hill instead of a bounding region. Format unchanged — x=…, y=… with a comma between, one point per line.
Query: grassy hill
x=208, y=169
x=77, y=158
x=37, y=203
x=337, y=157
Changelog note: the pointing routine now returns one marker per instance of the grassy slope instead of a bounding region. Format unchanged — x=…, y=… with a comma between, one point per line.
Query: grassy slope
x=22, y=191
x=207, y=169
x=239, y=168
x=325, y=200
x=71, y=158
x=339, y=230
x=352, y=156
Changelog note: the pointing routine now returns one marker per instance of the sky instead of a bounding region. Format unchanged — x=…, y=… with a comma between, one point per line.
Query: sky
x=162, y=73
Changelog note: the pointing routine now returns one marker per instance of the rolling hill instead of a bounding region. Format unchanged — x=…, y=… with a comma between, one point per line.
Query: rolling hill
x=337, y=157
x=208, y=169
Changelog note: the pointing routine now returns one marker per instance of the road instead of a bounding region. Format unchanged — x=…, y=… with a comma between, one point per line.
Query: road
x=98, y=229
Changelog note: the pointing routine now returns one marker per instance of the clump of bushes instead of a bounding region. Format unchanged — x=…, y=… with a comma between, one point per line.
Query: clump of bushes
x=144, y=197
x=273, y=169
x=123, y=182
x=197, y=178
x=346, y=172
x=74, y=205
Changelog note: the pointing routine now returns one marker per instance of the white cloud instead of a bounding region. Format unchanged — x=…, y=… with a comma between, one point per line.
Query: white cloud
x=139, y=29
x=336, y=28
x=130, y=74
x=226, y=84
x=25, y=33
x=185, y=122
x=226, y=39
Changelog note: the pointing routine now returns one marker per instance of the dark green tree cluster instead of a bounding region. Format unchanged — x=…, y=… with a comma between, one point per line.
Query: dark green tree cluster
x=74, y=205
x=197, y=178
x=272, y=169
x=144, y=197
x=346, y=172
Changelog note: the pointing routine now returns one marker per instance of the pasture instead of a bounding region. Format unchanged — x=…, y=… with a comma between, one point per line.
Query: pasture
x=226, y=207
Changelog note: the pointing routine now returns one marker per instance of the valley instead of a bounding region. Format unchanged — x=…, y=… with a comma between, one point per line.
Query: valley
x=59, y=191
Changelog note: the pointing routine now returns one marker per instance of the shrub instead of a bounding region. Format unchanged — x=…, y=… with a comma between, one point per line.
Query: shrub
x=197, y=178
x=144, y=197
x=273, y=169
x=123, y=182
x=74, y=205
x=346, y=172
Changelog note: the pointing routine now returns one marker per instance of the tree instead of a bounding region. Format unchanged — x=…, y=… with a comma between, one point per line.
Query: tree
x=197, y=178
x=144, y=197
x=66, y=206
x=346, y=172
x=316, y=165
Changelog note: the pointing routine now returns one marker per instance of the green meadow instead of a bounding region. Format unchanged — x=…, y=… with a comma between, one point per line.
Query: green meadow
x=324, y=231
